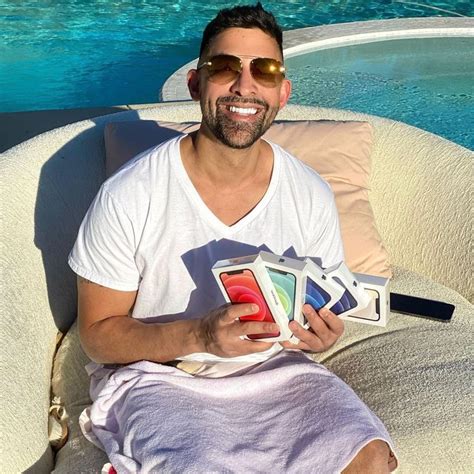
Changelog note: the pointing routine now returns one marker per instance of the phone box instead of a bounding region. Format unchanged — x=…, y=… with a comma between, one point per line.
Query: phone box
x=354, y=298
x=320, y=291
x=246, y=280
x=376, y=313
x=287, y=277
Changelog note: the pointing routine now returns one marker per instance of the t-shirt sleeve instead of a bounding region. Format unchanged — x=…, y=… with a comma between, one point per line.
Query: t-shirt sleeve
x=327, y=244
x=105, y=248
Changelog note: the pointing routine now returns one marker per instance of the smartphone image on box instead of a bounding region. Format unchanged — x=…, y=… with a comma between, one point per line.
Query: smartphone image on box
x=372, y=311
x=285, y=286
x=315, y=295
x=346, y=302
x=242, y=287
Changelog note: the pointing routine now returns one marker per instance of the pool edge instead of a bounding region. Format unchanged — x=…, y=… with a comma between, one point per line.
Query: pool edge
x=302, y=40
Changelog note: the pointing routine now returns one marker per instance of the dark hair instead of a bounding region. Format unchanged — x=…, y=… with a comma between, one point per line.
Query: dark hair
x=242, y=17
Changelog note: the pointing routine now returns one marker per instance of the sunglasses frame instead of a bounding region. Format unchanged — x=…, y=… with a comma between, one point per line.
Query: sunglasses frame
x=281, y=68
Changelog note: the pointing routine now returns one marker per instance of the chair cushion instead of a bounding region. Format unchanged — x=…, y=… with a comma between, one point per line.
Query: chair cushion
x=339, y=151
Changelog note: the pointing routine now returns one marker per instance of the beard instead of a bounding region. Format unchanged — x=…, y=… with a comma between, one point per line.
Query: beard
x=235, y=133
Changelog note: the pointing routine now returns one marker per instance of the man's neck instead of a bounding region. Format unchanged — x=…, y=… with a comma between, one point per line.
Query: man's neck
x=208, y=159
x=231, y=182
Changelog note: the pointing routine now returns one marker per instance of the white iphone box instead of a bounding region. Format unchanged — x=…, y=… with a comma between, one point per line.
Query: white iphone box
x=247, y=280
x=354, y=297
x=287, y=278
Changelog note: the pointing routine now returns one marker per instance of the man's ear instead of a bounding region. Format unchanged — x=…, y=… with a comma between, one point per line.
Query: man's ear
x=193, y=84
x=285, y=92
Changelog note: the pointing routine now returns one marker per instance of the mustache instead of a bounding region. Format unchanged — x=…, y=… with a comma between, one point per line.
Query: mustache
x=241, y=100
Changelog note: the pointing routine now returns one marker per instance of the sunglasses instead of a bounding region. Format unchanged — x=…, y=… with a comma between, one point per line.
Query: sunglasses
x=225, y=68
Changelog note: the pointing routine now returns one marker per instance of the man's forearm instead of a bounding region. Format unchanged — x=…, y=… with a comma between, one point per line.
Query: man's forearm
x=109, y=336
x=123, y=340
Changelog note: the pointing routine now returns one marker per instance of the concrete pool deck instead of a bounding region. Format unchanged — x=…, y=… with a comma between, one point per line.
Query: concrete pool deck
x=16, y=127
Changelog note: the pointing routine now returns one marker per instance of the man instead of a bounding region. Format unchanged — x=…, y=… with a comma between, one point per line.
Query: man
x=147, y=299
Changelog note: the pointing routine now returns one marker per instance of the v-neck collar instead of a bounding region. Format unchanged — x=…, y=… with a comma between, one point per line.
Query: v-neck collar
x=201, y=206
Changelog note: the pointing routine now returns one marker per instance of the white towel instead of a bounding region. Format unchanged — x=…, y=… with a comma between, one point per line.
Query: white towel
x=287, y=414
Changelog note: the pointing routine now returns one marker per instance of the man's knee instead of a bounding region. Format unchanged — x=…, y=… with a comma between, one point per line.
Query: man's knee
x=374, y=457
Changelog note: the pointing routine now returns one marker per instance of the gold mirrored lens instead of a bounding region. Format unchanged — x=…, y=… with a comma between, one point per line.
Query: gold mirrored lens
x=268, y=72
x=225, y=68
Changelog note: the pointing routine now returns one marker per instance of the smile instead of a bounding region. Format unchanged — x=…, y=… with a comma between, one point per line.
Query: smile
x=242, y=110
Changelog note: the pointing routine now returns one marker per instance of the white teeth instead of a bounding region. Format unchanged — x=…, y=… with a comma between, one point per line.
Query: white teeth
x=239, y=110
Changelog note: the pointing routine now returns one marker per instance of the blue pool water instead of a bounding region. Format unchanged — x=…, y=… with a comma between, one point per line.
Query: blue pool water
x=425, y=82
x=85, y=53
x=58, y=54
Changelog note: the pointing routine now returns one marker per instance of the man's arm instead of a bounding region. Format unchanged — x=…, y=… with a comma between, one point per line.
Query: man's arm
x=108, y=335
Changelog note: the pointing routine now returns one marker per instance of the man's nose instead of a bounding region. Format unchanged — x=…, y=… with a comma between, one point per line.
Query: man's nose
x=244, y=84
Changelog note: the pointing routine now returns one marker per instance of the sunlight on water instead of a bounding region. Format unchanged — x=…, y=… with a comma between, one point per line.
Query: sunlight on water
x=424, y=82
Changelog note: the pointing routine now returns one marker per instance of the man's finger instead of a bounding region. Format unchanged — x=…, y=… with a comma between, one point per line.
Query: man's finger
x=307, y=337
x=302, y=346
x=256, y=346
x=235, y=311
x=324, y=322
x=316, y=322
x=257, y=327
x=333, y=322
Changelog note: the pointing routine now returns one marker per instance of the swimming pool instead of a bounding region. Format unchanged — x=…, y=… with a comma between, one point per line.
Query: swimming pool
x=65, y=54
x=424, y=82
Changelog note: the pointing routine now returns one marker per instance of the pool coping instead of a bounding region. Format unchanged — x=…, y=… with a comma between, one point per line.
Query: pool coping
x=314, y=38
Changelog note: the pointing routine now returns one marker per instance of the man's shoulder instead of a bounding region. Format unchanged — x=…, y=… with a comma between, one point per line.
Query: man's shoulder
x=145, y=168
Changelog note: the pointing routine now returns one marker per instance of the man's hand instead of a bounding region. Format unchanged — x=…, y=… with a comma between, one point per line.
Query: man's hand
x=325, y=330
x=221, y=332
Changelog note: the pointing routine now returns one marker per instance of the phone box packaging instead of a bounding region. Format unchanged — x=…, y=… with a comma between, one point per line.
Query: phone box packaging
x=288, y=279
x=372, y=294
x=319, y=290
x=246, y=280
x=376, y=313
x=354, y=297
x=287, y=275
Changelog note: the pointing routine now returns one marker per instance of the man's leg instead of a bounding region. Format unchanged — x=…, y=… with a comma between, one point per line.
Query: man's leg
x=376, y=457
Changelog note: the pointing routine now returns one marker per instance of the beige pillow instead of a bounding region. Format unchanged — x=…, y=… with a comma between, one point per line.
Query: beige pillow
x=124, y=140
x=338, y=151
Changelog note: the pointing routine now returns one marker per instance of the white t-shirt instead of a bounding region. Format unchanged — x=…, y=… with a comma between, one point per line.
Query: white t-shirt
x=149, y=230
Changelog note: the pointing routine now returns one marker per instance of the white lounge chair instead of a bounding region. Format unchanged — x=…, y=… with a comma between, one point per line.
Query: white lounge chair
x=415, y=374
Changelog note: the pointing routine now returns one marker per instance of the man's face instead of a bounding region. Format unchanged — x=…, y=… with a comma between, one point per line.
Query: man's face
x=240, y=111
